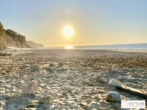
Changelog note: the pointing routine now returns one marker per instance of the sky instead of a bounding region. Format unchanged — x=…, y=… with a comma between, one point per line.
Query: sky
x=95, y=22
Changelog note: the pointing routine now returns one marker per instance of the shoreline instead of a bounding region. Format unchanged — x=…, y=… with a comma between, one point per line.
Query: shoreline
x=23, y=50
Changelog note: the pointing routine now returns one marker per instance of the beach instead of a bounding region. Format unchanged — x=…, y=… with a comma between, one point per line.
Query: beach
x=60, y=79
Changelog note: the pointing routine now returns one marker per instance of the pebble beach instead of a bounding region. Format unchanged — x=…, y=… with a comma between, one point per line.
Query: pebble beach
x=59, y=79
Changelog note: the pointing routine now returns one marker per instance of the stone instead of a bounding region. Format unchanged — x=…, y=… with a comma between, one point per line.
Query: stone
x=51, y=65
x=31, y=106
x=145, y=75
x=133, y=69
x=37, y=97
x=103, y=80
x=92, y=74
x=89, y=64
x=60, y=64
x=88, y=68
x=5, y=97
x=136, y=75
x=2, y=92
x=16, y=95
x=23, y=109
x=46, y=100
x=125, y=69
x=50, y=69
x=25, y=66
x=31, y=96
x=61, y=69
x=115, y=82
x=128, y=77
x=18, y=103
x=20, y=59
x=94, y=105
x=35, y=67
x=85, y=106
x=115, y=68
x=98, y=75
x=120, y=77
x=117, y=105
x=54, y=107
x=113, y=96
x=31, y=88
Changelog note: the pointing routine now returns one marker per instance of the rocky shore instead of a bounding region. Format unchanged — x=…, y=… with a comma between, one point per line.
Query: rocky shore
x=69, y=79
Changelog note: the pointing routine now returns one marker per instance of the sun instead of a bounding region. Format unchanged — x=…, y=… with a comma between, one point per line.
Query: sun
x=68, y=31
x=69, y=47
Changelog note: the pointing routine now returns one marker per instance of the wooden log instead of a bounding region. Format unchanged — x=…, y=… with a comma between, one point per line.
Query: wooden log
x=137, y=92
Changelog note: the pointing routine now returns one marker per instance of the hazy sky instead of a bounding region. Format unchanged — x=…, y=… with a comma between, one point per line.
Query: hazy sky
x=95, y=22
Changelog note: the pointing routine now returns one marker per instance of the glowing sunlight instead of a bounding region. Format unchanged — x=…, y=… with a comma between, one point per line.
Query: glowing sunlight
x=68, y=31
x=69, y=47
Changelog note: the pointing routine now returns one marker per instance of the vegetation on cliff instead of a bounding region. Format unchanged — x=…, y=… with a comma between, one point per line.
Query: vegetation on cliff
x=3, y=38
x=11, y=38
x=15, y=39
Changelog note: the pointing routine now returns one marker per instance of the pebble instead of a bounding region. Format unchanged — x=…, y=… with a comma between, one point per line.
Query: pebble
x=51, y=64
x=115, y=82
x=115, y=68
x=120, y=77
x=50, y=69
x=145, y=75
x=136, y=75
x=85, y=106
x=46, y=100
x=94, y=105
x=128, y=77
x=25, y=66
x=60, y=64
x=125, y=69
x=35, y=67
x=31, y=88
x=103, y=80
x=113, y=96
x=98, y=75
x=18, y=103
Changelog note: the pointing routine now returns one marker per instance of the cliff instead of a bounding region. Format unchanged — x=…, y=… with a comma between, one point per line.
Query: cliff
x=33, y=44
x=3, y=38
x=10, y=38
x=15, y=40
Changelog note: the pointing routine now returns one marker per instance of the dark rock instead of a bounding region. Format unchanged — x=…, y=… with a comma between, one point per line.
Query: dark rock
x=51, y=65
x=60, y=64
x=50, y=69
x=31, y=106
x=113, y=96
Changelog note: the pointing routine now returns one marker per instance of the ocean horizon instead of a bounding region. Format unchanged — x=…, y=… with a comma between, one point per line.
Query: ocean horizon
x=142, y=46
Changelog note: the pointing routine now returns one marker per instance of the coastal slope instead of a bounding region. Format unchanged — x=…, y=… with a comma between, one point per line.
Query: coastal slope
x=3, y=38
x=33, y=44
x=10, y=38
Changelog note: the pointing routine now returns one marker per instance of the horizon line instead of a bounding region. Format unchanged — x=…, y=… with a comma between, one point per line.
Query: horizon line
x=96, y=45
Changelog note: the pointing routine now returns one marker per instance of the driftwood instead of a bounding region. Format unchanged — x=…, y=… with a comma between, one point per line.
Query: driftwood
x=137, y=92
